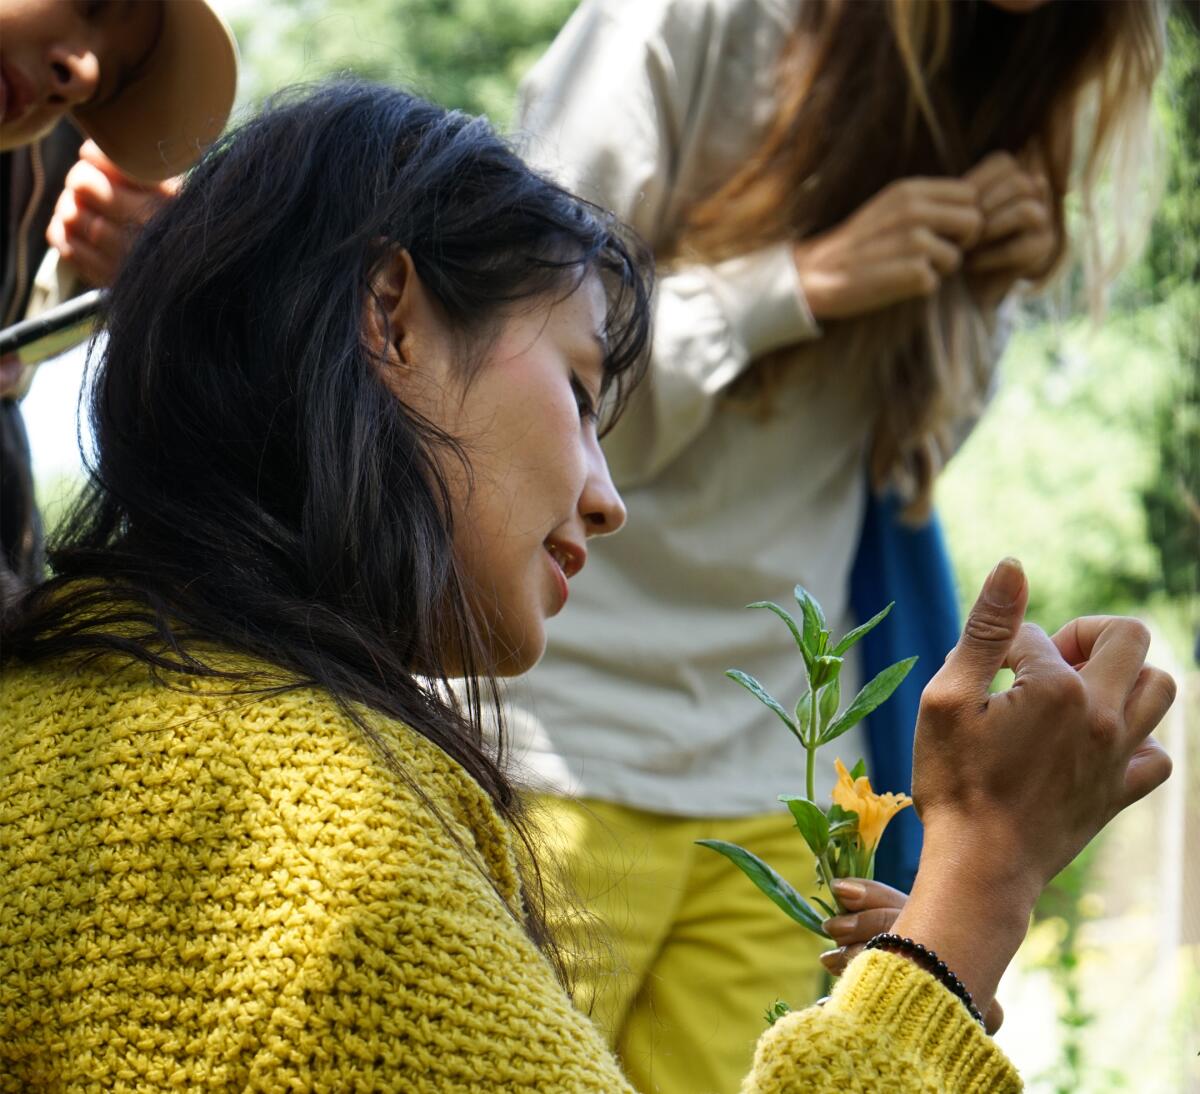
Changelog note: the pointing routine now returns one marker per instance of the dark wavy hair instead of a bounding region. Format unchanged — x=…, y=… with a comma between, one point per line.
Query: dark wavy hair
x=256, y=485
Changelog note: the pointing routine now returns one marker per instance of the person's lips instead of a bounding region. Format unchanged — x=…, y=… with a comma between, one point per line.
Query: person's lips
x=17, y=91
x=568, y=559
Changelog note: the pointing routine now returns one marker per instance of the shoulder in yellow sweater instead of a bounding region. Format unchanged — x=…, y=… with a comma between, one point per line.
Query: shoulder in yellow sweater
x=231, y=891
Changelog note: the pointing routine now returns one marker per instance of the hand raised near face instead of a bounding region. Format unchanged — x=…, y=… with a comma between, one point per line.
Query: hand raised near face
x=1020, y=236
x=99, y=214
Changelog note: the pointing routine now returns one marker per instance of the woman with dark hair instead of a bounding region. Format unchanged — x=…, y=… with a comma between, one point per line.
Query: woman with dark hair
x=346, y=425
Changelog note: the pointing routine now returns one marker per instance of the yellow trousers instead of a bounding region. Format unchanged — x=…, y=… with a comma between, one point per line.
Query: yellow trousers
x=673, y=951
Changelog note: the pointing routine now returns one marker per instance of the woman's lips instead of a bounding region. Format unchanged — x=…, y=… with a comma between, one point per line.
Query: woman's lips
x=17, y=92
x=563, y=589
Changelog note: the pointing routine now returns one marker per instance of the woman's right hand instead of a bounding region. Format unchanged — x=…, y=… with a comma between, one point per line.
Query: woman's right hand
x=1011, y=786
x=897, y=246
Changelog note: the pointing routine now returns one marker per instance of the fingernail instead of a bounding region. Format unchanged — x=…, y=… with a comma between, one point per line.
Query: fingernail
x=1004, y=583
x=832, y=959
x=849, y=890
x=841, y=924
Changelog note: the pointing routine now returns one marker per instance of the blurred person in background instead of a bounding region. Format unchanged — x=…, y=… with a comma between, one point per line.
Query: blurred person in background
x=842, y=196
x=149, y=84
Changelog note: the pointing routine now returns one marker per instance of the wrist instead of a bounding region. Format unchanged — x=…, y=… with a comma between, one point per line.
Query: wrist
x=972, y=908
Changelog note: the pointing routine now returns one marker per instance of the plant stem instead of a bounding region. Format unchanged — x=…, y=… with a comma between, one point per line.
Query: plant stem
x=811, y=781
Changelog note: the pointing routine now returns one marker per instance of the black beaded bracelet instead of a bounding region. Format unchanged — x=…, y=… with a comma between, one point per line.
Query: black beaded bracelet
x=932, y=964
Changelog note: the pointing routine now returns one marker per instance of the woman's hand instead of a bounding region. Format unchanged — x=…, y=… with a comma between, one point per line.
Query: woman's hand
x=897, y=246
x=100, y=212
x=1011, y=786
x=872, y=908
x=1019, y=237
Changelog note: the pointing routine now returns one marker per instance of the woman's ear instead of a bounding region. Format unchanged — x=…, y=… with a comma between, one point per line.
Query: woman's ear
x=387, y=305
x=402, y=323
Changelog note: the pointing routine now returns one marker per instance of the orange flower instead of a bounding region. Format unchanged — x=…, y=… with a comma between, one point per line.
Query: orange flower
x=874, y=810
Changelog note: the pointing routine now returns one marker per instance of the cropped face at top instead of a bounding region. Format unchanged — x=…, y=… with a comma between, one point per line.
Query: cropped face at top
x=535, y=485
x=56, y=55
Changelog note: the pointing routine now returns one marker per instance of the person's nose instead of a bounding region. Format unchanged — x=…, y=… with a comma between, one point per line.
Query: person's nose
x=600, y=504
x=74, y=74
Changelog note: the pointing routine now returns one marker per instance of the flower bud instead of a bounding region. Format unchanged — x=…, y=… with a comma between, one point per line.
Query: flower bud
x=827, y=703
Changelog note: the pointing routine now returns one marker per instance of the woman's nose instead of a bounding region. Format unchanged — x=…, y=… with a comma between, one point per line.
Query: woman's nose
x=600, y=505
x=74, y=75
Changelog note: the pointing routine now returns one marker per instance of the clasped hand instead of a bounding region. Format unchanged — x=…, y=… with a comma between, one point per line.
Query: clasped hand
x=996, y=224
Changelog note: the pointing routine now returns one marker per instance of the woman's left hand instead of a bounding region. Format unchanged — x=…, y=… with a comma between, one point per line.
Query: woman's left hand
x=1020, y=238
x=871, y=909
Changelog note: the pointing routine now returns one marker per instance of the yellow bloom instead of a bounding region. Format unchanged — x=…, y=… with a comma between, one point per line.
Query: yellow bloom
x=874, y=810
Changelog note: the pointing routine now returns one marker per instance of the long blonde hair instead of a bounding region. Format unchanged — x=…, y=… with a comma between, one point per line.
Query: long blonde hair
x=873, y=92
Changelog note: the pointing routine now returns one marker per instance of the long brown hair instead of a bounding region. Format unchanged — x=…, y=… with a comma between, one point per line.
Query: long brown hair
x=873, y=92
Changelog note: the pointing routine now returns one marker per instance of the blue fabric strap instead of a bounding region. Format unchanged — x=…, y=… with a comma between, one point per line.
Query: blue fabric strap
x=912, y=567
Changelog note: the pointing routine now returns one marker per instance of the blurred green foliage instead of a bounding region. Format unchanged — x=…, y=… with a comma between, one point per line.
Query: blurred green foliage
x=1172, y=255
x=1172, y=265
x=468, y=54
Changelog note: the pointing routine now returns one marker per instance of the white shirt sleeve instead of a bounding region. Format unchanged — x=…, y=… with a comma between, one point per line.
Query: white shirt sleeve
x=614, y=111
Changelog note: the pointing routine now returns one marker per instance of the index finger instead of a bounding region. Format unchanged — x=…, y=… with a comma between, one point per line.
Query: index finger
x=1113, y=649
x=1034, y=654
x=111, y=197
x=991, y=169
x=90, y=152
x=948, y=190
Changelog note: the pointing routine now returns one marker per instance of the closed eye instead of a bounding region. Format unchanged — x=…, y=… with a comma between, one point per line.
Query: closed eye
x=588, y=410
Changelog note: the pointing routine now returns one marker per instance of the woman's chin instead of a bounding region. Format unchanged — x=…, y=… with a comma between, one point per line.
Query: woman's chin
x=519, y=653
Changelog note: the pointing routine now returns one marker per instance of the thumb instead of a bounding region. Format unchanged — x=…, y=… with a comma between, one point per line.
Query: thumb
x=994, y=621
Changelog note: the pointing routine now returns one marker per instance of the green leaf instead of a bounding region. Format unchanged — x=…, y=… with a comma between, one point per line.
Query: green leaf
x=831, y=912
x=781, y=893
x=797, y=633
x=853, y=636
x=858, y=770
x=872, y=695
x=763, y=696
x=841, y=821
x=814, y=619
x=776, y=1011
x=810, y=820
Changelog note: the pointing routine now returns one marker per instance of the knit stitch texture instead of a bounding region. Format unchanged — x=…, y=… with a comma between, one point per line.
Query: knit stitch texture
x=206, y=891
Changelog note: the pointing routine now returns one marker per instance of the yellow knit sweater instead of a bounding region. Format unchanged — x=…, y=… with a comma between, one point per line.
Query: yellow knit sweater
x=201, y=891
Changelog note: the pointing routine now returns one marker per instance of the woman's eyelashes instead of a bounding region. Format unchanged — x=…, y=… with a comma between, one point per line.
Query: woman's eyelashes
x=588, y=411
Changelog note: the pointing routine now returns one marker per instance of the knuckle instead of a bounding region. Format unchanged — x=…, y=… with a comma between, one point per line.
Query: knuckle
x=925, y=279
x=1134, y=632
x=938, y=700
x=1166, y=684
x=879, y=919
x=1162, y=685
x=988, y=624
x=1106, y=725
x=1070, y=689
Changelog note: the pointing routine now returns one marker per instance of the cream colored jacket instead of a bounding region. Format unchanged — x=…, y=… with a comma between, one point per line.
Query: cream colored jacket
x=643, y=105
